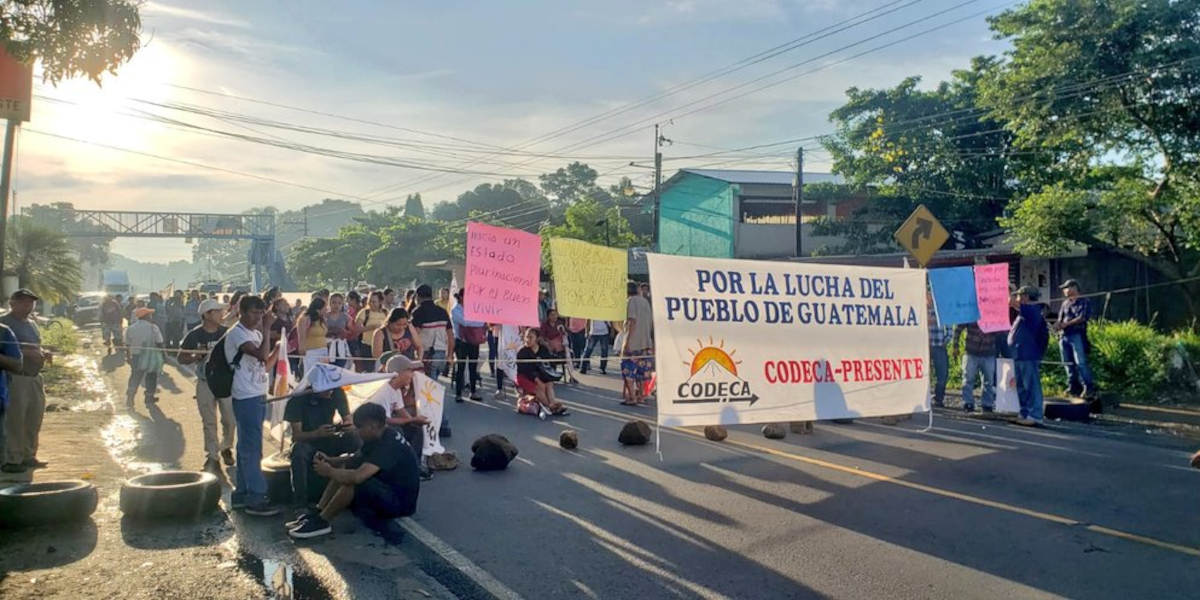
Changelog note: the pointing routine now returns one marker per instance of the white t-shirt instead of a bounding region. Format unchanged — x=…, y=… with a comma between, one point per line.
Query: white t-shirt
x=599, y=327
x=142, y=336
x=390, y=398
x=638, y=309
x=249, y=378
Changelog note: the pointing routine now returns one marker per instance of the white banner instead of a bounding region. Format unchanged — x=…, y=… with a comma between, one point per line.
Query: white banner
x=507, y=347
x=430, y=397
x=741, y=341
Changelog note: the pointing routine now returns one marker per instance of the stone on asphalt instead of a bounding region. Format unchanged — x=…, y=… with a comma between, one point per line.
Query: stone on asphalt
x=801, y=427
x=446, y=461
x=492, y=452
x=774, y=431
x=715, y=433
x=634, y=433
x=569, y=439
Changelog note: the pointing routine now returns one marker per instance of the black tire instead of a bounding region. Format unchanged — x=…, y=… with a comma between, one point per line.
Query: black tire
x=175, y=494
x=47, y=502
x=1070, y=409
x=277, y=470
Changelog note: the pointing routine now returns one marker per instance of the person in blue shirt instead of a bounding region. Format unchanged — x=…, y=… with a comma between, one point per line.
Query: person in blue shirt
x=1072, y=322
x=10, y=362
x=1028, y=339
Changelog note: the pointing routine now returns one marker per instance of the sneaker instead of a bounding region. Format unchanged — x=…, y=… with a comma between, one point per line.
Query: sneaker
x=227, y=457
x=458, y=398
x=33, y=463
x=1026, y=422
x=939, y=404
x=13, y=468
x=311, y=528
x=476, y=397
x=426, y=473
x=1088, y=394
x=212, y=466
x=151, y=400
x=499, y=395
x=301, y=516
x=542, y=414
x=262, y=509
x=989, y=409
x=968, y=408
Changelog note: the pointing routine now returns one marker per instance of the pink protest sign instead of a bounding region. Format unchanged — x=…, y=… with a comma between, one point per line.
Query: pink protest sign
x=991, y=291
x=502, y=275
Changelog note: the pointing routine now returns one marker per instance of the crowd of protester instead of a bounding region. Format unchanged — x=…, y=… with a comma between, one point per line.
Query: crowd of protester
x=371, y=458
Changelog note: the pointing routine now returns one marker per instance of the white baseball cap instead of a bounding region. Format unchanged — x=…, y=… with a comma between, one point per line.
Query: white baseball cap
x=212, y=304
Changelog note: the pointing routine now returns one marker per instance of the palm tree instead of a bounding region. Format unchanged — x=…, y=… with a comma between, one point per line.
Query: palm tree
x=43, y=260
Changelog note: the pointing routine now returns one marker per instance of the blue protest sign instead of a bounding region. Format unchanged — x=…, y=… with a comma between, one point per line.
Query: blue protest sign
x=954, y=295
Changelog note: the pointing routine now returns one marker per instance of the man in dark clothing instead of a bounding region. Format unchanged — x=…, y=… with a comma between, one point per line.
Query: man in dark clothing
x=173, y=315
x=437, y=341
x=311, y=418
x=1028, y=338
x=111, y=317
x=1072, y=322
x=378, y=483
x=980, y=361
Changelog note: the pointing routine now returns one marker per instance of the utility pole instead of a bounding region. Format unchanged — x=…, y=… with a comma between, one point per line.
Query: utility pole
x=658, y=140
x=5, y=187
x=798, y=197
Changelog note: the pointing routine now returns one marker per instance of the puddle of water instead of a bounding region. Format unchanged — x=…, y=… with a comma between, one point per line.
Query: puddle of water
x=94, y=394
x=122, y=437
x=282, y=580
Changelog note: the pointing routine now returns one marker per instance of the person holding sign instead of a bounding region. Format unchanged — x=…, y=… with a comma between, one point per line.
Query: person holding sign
x=980, y=361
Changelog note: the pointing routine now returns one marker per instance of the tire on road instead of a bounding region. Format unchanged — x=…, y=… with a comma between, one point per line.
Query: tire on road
x=47, y=502
x=175, y=494
x=277, y=470
x=1071, y=409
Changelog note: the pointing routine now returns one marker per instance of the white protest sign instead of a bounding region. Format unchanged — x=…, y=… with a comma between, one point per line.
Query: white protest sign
x=741, y=341
x=430, y=397
x=507, y=347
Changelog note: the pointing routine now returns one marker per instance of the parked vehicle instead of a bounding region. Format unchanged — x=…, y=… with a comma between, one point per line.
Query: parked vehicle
x=87, y=308
x=116, y=282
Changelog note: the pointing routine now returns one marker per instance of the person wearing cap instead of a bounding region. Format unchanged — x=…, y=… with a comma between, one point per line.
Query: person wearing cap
x=400, y=400
x=1072, y=323
x=143, y=351
x=310, y=417
x=10, y=364
x=1028, y=339
x=196, y=346
x=27, y=396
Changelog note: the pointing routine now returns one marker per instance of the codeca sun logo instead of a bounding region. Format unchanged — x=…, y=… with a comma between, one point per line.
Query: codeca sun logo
x=714, y=377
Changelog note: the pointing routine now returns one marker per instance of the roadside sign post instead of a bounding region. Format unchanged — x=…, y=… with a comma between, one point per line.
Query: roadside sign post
x=922, y=235
x=16, y=92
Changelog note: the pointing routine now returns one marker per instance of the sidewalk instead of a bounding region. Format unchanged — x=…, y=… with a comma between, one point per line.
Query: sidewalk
x=220, y=556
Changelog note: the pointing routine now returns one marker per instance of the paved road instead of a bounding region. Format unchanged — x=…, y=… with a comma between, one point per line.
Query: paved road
x=971, y=509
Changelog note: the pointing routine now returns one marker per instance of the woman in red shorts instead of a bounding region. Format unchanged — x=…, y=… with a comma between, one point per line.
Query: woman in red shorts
x=531, y=379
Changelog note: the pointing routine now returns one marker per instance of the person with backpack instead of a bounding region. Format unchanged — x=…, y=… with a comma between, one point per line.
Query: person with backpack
x=196, y=346
x=237, y=368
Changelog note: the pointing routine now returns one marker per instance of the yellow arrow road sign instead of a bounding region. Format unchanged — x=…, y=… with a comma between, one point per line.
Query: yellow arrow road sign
x=922, y=235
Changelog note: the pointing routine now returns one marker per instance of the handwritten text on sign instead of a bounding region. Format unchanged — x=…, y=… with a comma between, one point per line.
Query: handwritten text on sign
x=991, y=289
x=502, y=275
x=589, y=280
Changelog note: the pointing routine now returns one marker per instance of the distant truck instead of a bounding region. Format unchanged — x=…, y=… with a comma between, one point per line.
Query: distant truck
x=116, y=282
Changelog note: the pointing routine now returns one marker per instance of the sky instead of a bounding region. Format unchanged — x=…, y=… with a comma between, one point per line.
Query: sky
x=452, y=94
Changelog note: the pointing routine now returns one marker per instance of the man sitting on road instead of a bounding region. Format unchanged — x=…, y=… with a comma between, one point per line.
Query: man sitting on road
x=200, y=341
x=311, y=418
x=378, y=483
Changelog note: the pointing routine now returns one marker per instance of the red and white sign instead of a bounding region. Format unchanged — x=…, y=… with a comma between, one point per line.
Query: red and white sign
x=16, y=88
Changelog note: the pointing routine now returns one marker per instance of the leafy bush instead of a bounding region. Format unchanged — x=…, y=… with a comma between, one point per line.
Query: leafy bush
x=60, y=335
x=1130, y=359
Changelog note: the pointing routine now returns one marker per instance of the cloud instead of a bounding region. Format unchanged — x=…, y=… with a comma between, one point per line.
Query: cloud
x=153, y=9
x=714, y=11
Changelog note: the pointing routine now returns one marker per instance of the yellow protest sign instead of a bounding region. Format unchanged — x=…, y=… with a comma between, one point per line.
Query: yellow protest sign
x=589, y=280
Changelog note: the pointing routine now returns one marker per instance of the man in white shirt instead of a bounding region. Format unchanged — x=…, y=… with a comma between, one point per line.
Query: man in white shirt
x=248, y=349
x=399, y=399
x=143, y=342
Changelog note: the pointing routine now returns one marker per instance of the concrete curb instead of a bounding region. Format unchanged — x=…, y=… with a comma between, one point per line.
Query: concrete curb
x=453, y=570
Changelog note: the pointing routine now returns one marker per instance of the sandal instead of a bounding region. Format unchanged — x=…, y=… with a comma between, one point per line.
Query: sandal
x=628, y=403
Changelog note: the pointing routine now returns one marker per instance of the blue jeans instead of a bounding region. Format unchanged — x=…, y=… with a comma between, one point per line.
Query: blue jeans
x=985, y=368
x=1073, y=354
x=1029, y=389
x=941, y=372
x=249, y=486
x=594, y=341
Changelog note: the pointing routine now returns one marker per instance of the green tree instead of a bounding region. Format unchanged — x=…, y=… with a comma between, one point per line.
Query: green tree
x=72, y=38
x=58, y=216
x=413, y=207
x=911, y=146
x=513, y=203
x=320, y=262
x=1107, y=91
x=590, y=221
x=43, y=260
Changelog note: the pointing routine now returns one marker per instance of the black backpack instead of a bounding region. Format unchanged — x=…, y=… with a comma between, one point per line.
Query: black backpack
x=218, y=371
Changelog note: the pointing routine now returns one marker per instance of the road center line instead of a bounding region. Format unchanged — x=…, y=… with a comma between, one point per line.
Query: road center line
x=1053, y=518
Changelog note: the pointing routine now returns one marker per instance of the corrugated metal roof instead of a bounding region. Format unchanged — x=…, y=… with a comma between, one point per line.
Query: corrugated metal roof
x=764, y=177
